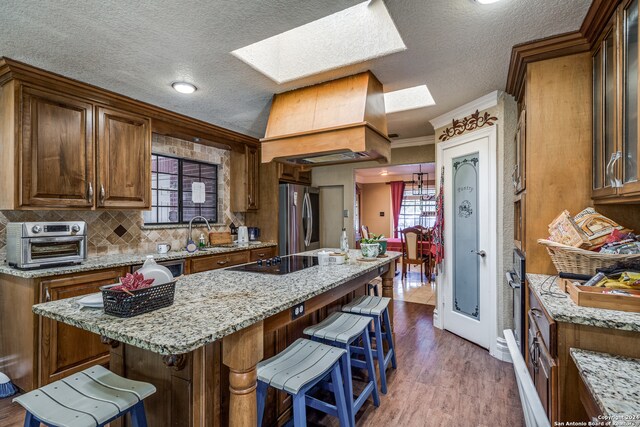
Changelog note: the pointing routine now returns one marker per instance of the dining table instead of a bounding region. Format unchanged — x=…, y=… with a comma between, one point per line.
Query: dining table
x=395, y=244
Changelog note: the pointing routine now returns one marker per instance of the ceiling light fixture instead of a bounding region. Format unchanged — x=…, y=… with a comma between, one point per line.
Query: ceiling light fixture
x=486, y=1
x=184, y=87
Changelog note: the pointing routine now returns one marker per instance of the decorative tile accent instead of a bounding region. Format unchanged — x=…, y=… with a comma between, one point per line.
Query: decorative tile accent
x=106, y=235
x=120, y=230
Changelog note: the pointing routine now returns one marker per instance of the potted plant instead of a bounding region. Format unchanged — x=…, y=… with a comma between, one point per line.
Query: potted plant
x=375, y=244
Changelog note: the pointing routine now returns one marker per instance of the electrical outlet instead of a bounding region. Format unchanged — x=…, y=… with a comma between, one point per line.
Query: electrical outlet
x=381, y=213
x=345, y=213
x=297, y=311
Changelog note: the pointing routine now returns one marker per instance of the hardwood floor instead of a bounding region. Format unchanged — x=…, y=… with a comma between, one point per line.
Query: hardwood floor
x=442, y=380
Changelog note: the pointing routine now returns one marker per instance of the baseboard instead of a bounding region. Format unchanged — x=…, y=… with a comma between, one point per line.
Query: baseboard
x=502, y=350
x=437, y=321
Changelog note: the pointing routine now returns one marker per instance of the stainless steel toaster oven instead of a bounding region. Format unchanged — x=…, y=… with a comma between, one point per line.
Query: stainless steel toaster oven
x=46, y=244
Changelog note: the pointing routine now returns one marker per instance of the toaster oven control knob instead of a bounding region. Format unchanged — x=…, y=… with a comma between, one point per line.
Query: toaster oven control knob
x=75, y=228
x=36, y=229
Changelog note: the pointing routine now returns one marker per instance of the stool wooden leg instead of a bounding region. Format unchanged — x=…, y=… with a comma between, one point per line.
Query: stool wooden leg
x=348, y=384
x=341, y=403
x=31, y=421
x=262, y=400
x=138, y=417
x=368, y=355
x=389, y=335
x=380, y=354
x=300, y=408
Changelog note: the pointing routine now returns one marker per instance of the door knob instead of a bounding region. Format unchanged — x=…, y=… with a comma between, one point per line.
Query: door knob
x=481, y=254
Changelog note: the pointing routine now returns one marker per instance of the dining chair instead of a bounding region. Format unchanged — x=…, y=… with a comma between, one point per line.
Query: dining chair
x=412, y=240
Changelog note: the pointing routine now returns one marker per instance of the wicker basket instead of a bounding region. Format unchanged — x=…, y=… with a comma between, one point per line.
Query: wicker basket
x=122, y=304
x=568, y=259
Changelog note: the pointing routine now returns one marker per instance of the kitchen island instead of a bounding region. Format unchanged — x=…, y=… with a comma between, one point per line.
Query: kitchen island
x=221, y=320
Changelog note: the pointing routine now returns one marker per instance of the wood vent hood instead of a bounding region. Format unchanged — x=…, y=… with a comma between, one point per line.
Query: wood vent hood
x=340, y=121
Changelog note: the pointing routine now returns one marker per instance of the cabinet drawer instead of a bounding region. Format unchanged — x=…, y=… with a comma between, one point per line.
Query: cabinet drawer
x=199, y=265
x=544, y=323
x=262, y=253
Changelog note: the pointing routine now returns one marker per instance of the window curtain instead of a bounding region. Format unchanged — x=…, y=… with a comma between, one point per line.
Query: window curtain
x=397, y=192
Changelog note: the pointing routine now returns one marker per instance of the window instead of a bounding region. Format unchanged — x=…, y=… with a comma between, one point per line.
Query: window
x=415, y=211
x=172, y=191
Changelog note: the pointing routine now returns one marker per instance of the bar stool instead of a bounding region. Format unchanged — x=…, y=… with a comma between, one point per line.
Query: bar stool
x=377, y=309
x=91, y=398
x=296, y=371
x=342, y=330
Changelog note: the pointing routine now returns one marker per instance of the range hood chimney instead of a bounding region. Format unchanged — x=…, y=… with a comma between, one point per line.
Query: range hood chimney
x=340, y=121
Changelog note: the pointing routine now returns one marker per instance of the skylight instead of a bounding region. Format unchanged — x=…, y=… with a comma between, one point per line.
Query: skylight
x=356, y=34
x=408, y=99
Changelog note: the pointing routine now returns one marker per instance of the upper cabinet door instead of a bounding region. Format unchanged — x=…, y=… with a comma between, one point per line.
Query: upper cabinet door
x=57, y=150
x=630, y=168
x=124, y=160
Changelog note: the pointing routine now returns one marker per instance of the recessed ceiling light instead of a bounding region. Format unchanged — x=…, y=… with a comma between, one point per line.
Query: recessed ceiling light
x=408, y=99
x=359, y=33
x=184, y=87
x=486, y=1
x=384, y=172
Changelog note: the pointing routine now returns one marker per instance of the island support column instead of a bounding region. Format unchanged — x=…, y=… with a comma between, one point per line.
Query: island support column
x=387, y=290
x=241, y=351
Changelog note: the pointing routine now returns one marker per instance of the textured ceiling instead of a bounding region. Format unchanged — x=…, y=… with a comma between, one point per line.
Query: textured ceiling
x=458, y=48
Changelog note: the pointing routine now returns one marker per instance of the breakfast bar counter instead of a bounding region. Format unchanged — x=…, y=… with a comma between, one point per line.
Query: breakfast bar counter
x=220, y=319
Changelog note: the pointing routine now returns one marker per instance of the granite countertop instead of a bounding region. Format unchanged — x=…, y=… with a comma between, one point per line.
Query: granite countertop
x=614, y=383
x=211, y=305
x=562, y=308
x=98, y=262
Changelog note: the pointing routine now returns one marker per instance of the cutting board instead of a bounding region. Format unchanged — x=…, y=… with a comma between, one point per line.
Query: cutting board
x=219, y=238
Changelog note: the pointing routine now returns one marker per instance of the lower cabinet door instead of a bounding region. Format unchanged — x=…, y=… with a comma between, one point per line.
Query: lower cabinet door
x=544, y=380
x=65, y=349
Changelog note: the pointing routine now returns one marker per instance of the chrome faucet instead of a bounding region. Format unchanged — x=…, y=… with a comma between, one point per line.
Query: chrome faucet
x=190, y=237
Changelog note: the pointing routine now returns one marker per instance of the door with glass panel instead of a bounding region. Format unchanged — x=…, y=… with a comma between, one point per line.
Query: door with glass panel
x=606, y=153
x=470, y=235
x=629, y=145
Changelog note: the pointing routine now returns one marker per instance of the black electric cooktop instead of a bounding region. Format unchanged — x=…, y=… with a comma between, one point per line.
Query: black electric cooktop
x=278, y=265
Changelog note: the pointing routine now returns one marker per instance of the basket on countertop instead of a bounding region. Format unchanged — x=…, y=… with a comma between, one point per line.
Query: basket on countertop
x=568, y=259
x=122, y=304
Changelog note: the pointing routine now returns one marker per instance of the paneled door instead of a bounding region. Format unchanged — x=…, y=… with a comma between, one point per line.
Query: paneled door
x=57, y=150
x=468, y=284
x=124, y=160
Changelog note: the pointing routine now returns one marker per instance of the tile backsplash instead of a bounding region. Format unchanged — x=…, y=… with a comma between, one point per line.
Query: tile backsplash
x=113, y=231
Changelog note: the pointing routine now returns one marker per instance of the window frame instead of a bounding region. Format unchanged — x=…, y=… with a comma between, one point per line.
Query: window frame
x=424, y=205
x=180, y=191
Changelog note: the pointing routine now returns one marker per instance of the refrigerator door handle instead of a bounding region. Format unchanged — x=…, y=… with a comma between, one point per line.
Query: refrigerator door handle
x=308, y=217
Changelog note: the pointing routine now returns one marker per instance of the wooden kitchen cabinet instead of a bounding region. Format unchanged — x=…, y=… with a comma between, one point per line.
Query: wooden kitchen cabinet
x=123, y=159
x=262, y=253
x=57, y=150
x=245, y=170
x=74, y=154
x=206, y=263
x=65, y=349
x=615, y=109
x=541, y=353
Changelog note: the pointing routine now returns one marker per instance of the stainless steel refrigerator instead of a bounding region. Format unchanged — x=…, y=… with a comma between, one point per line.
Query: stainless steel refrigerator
x=299, y=219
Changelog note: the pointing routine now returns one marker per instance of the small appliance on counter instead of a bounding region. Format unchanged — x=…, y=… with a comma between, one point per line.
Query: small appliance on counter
x=254, y=233
x=243, y=235
x=45, y=244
